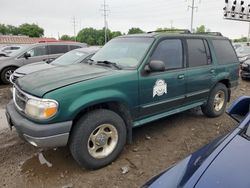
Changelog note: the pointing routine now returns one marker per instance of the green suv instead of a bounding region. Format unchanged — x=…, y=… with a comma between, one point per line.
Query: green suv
x=132, y=80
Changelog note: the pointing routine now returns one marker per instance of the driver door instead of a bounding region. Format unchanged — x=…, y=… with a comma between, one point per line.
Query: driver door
x=37, y=54
x=164, y=91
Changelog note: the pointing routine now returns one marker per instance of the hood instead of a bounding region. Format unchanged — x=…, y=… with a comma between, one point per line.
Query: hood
x=3, y=58
x=230, y=168
x=41, y=82
x=33, y=67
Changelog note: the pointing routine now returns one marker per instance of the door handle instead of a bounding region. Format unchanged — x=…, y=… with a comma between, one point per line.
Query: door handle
x=181, y=76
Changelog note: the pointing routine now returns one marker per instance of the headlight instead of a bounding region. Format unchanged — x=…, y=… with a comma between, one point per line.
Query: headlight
x=41, y=108
x=242, y=59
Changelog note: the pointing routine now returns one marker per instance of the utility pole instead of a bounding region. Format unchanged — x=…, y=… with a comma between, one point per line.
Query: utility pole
x=105, y=14
x=193, y=7
x=74, y=26
x=171, y=23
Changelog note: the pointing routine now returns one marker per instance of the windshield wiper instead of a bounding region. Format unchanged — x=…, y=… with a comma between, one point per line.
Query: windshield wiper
x=109, y=63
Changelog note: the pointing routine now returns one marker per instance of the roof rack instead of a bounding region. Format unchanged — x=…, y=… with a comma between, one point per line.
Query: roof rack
x=185, y=31
x=210, y=33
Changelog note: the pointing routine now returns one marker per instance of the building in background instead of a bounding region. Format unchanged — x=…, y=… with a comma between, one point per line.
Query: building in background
x=6, y=40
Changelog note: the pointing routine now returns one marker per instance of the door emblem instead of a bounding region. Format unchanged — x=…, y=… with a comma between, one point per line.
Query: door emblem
x=160, y=88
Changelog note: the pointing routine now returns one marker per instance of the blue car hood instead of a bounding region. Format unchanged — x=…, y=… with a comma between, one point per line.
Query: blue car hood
x=230, y=168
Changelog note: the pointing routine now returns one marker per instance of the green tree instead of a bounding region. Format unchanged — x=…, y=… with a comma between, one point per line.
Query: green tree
x=3, y=29
x=93, y=36
x=88, y=35
x=67, y=38
x=31, y=30
x=242, y=39
x=115, y=34
x=135, y=30
x=12, y=30
x=201, y=29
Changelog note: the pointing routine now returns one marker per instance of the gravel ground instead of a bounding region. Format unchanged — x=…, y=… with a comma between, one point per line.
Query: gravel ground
x=156, y=146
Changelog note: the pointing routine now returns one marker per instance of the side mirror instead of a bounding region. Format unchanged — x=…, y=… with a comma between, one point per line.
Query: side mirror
x=240, y=108
x=155, y=66
x=27, y=55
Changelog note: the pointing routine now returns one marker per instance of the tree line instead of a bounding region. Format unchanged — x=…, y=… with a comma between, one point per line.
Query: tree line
x=89, y=35
x=31, y=30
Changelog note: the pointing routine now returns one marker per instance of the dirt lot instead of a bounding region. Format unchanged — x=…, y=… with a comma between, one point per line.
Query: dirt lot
x=156, y=146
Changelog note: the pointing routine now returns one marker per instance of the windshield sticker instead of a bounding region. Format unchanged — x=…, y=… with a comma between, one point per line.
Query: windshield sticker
x=160, y=88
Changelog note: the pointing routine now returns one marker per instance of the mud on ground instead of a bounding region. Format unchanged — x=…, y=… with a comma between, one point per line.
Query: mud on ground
x=156, y=146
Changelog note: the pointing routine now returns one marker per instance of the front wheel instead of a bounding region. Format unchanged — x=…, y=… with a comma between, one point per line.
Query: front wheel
x=97, y=138
x=217, y=101
x=6, y=73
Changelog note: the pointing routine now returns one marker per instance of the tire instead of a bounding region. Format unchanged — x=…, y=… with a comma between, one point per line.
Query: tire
x=217, y=101
x=103, y=129
x=5, y=74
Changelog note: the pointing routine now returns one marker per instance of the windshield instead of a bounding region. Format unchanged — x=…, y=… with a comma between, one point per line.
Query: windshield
x=125, y=52
x=70, y=58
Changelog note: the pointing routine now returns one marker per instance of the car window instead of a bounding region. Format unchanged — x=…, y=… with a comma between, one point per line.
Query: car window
x=197, y=55
x=224, y=52
x=72, y=47
x=126, y=52
x=170, y=52
x=71, y=57
x=38, y=51
x=58, y=49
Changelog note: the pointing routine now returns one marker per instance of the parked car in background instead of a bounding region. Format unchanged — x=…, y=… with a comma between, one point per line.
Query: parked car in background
x=238, y=45
x=31, y=54
x=222, y=163
x=4, y=51
x=79, y=55
x=243, y=53
x=245, y=70
x=132, y=80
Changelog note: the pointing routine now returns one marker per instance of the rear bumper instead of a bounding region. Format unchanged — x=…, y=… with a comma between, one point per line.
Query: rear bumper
x=39, y=135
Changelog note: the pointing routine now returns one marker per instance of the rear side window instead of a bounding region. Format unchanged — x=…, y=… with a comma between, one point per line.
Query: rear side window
x=58, y=49
x=224, y=52
x=170, y=52
x=197, y=55
x=72, y=47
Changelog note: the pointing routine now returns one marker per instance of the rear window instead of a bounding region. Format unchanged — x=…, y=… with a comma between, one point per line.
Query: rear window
x=224, y=52
x=58, y=49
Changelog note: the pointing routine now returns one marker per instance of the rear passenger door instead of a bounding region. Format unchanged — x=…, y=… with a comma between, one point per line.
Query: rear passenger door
x=200, y=70
x=57, y=50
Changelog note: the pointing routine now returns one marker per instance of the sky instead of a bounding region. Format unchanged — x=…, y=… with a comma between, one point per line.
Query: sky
x=56, y=16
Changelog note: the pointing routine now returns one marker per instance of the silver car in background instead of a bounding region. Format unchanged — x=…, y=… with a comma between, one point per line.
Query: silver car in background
x=80, y=55
x=33, y=53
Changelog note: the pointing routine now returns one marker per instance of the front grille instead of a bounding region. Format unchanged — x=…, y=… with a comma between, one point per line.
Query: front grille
x=20, y=98
x=245, y=68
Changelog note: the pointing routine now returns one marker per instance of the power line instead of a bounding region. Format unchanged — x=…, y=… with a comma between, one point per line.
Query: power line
x=193, y=7
x=105, y=14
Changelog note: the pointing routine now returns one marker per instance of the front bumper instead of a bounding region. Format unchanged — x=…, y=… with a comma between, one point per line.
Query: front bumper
x=245, y=74
x=39, y=135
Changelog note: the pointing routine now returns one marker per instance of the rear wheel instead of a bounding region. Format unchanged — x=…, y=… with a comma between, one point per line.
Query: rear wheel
x=6, y=73
x=217, y=101
x=97, y=138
